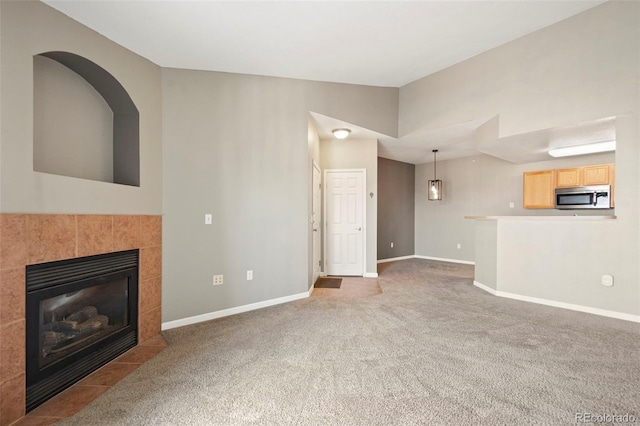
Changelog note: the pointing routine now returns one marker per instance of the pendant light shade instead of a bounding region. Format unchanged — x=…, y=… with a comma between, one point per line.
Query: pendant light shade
x=434, y=186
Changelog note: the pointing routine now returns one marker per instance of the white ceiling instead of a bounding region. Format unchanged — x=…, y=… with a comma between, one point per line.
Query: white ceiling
x=460, y=140
x=379, y=43
x=534, y=146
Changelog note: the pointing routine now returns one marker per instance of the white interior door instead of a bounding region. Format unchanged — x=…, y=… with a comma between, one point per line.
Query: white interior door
x=316, y=221
x=344, y=219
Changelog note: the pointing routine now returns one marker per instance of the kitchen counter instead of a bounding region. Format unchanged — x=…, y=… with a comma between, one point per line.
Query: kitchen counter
x=563, y=261
x=541, y=217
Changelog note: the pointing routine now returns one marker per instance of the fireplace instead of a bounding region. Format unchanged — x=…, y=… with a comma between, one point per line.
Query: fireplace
x=80, y=314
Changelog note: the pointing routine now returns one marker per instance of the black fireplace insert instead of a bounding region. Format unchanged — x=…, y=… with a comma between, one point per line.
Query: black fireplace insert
x=80, y=314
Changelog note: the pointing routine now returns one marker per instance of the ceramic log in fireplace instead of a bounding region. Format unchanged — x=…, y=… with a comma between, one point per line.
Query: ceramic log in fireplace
x=81, y=314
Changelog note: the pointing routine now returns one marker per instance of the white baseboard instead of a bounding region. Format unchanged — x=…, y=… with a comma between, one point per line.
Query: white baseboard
x=370, y=275
x=233, y=311
x=393, y=259
x=563, y=305
x=485, y=288
x=442, y=259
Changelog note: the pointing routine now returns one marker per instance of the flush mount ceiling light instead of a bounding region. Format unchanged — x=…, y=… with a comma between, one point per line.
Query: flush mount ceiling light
x=591, y=148
x=341, y=133
x=434, y=185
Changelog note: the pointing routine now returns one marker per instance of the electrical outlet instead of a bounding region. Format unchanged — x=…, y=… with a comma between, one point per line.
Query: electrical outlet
x=391, y=245
x=459, y=246
x=512, y=205
x=249, y=275
x=218, y=279
x=607, y=280
x=208, y=219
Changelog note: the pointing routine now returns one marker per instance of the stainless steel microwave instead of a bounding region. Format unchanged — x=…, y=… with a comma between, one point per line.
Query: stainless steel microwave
x=584, y=197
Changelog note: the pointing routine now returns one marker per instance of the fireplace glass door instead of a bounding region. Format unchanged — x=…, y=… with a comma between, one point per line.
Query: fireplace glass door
x=74, y=320
x=81, y=314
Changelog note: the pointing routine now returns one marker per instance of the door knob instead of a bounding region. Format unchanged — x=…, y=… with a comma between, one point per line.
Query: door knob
x=315, y=230
x=359, y=228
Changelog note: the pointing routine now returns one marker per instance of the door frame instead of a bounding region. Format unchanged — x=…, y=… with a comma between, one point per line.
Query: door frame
x=326, y=172
x=316, y=166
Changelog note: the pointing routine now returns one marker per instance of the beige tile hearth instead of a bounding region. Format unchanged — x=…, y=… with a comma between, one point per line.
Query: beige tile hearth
x=51, y=237
x=95, y=234
x=37, y=421
x=91, y=387
x=12, y=399
x=69, y=402
x=151, y=231
x=126, y=232
x=12, y=351
x=150, y=262
x=150, y=294
x=140, y=354
x=149, y=324
x=109, y=374
x=157, y=340
x=13, y=245
x=12, y=295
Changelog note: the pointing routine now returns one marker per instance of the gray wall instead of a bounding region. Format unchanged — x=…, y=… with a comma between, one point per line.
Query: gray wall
x=396, y=208
x=1, y=116
x=581, y=69
x=237, y=146
x=28, y=28
x=72, y=124
x=486, y=257
x=358, y=154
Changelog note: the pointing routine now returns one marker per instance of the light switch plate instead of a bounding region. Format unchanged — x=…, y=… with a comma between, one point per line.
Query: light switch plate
x=208, y=219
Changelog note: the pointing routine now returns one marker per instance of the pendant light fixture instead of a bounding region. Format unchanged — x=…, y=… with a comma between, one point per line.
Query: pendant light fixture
x=434, y=185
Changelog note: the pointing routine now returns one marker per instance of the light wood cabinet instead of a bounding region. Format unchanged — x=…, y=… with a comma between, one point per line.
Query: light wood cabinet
x=596, y=175
x=583, y=176
x=539, y=189
x=567, y=177
x=612, y=182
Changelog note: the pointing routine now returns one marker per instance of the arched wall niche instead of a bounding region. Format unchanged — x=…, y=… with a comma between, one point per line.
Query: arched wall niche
x=122, y=153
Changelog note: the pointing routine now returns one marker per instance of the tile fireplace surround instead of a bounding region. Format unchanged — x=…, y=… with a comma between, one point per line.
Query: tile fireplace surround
x=27, y=239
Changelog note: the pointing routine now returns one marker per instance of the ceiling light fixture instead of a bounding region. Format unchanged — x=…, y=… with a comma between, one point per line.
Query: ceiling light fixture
x=435, y=185
x=591, y=148
x=341, y=133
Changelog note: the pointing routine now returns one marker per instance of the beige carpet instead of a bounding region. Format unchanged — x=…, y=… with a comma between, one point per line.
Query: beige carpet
x=430, y=350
